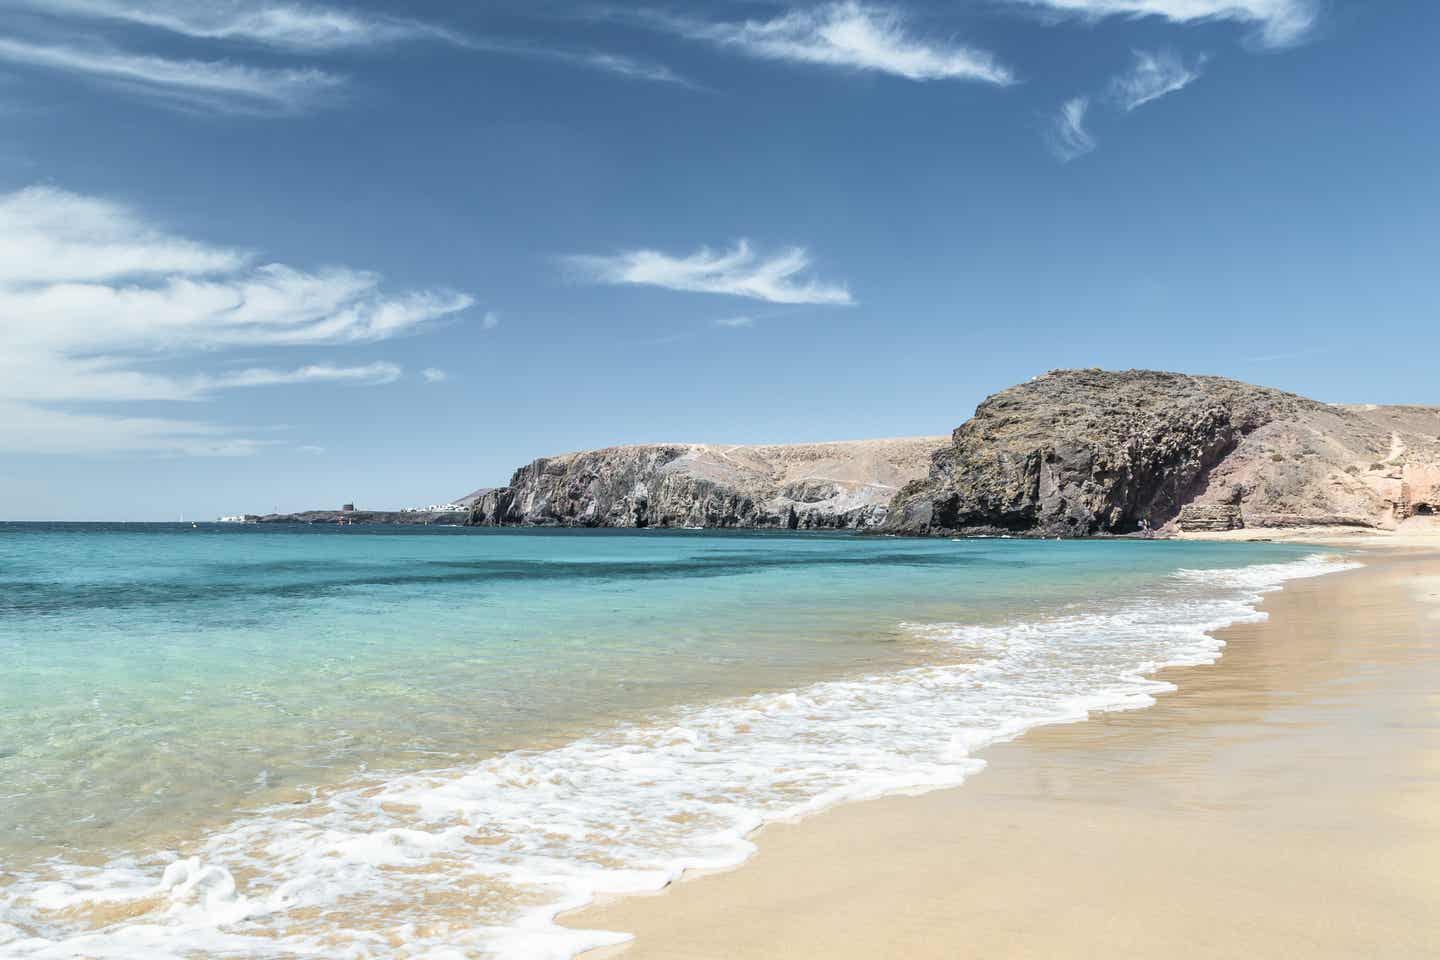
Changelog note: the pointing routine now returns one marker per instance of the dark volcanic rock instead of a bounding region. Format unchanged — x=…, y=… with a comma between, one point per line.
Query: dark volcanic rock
x=1079, y=452
x=1071, y=453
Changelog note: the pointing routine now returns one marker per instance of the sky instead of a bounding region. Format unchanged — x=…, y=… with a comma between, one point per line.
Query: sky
x=260, y=254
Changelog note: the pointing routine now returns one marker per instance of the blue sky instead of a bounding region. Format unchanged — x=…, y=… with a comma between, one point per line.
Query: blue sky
x=270, y=254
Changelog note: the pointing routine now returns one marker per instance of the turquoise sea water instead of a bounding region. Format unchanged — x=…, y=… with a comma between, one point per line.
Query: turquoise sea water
x=281, y=741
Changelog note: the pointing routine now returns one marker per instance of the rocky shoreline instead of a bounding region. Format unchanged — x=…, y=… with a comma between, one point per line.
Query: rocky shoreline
x=1071, y=453
x=1086, y=452
x=826, y=486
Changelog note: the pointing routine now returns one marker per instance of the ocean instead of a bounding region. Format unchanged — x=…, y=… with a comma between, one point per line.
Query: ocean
x=376, y=742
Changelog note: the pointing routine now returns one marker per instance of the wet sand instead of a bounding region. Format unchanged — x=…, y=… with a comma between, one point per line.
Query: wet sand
x=1285, y=802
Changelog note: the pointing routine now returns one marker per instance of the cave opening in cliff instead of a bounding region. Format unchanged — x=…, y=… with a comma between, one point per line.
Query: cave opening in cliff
x=1423, y=510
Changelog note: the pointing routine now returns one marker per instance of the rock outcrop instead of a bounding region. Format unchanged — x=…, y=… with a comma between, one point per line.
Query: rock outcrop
x=1420, y=490
x=1070, y=453
x=1081, y=452
x=1210, y=517
x=819, y=486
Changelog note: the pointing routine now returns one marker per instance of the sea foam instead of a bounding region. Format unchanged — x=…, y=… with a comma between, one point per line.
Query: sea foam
x=479, y=861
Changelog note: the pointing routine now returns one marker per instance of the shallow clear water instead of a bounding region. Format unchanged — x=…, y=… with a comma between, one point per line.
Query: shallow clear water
x=297, y=741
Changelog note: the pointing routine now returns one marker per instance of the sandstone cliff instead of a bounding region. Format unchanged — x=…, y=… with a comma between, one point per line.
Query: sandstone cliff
x=1079, y=452
x=846, y=485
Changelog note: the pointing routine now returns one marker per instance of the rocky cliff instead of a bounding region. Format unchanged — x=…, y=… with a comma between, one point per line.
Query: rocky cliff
x=1079, y=452
x=818, y=486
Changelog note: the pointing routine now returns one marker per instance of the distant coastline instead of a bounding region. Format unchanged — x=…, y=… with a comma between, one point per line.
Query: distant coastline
x=1071, y=453
x=361, y=517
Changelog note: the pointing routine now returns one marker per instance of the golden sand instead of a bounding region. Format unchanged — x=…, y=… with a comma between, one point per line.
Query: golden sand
x=1284, y=803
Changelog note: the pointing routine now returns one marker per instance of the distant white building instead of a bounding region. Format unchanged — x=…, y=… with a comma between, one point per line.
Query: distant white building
x=437, y=508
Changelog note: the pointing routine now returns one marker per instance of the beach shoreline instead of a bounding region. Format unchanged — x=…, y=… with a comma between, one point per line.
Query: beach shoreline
x=1414, y=534
x=1284, y=799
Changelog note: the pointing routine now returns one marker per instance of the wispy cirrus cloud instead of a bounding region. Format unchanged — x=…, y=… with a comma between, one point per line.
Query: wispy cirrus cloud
x=846, y=34
x=434, y=375
x=631, y=68
x=624, y=66
x=26, y=428
x=52, y=235
x=313, y=28
x=97, y=305
x=369, y=374
x=290, y=26
x=40, y=378
x=209, y=84
x=1152, y=76
x=1066, y=134
x=1278, y=23
x=738, y=272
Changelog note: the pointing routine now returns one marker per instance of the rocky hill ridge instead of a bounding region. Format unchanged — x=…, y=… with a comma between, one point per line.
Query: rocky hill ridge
x=1068, y=453
x=1082, y=452
x=842, y=485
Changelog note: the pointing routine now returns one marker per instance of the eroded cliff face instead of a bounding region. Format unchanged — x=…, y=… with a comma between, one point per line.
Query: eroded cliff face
x=1070, y=453
x=794, y=486
x=1080, y=452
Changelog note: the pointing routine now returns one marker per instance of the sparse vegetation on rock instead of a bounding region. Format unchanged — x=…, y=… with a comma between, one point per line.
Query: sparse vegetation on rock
x=814, y=486
x=1081, y=452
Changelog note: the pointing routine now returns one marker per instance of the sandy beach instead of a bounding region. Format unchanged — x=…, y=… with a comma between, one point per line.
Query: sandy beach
x=1284, y=802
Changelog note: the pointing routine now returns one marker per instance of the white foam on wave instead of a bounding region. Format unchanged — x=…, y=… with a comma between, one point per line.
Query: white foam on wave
x=479, y=861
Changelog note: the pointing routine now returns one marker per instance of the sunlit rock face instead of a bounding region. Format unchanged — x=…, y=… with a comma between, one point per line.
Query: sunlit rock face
x=1082, y=452
x=847, y=485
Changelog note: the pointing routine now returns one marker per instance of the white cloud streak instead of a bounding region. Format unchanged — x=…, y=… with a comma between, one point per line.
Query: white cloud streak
x=434, y=375
x=371, y=373
x=51, y=235
x=1153, y=76
x=211, y=85
x=737, y=272
x=735, y=322
x=1279, y=23
x=25, y=428
x=851, y=35
x=290, y=26
x=628, y=67
x=1067, y=136
x=38, y=377
x=94, y=299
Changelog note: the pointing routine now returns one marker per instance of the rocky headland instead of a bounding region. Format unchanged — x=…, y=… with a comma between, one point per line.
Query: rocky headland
x=813, y=486
x=1069, y=453
x=1085, y=452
